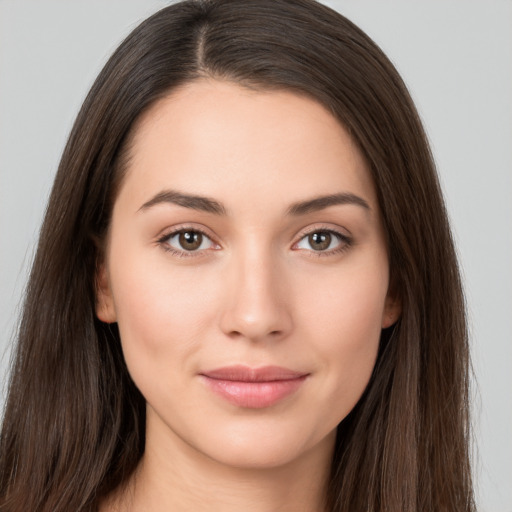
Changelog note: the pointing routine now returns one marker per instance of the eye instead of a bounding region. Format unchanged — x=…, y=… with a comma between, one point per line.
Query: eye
x=323, y=241
x=187, y=240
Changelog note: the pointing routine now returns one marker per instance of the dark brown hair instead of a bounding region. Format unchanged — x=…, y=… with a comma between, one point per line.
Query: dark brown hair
x=74, y=422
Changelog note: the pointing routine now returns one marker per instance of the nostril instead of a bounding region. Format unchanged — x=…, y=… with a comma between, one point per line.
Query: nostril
x=270, y=335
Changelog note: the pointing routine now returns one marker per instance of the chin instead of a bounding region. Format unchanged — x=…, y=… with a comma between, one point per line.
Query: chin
x=266, y=448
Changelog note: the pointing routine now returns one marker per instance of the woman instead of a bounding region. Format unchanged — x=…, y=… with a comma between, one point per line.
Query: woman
x=245, y=292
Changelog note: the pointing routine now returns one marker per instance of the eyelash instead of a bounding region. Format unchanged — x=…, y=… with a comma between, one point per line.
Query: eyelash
x=164, y=239
x=345, y=241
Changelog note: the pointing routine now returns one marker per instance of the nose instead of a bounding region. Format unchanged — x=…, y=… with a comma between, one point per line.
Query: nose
x=257, y=303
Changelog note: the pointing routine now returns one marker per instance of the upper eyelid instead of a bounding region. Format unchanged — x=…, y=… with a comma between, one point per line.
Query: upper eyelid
x=323, y=227
x=168, y=232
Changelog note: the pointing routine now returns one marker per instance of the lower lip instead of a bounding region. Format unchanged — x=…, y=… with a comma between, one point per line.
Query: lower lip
x=254, y=395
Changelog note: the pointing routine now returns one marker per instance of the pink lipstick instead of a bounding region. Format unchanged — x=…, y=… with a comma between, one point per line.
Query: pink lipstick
x=253, y=388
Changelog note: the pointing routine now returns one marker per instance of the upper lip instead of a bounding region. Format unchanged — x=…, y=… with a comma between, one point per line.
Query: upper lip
x=241, y=373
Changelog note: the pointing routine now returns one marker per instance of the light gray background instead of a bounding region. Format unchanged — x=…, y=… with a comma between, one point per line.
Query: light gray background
x=456, y=57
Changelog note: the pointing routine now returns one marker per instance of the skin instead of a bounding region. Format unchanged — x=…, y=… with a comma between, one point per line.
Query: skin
x=256, y=292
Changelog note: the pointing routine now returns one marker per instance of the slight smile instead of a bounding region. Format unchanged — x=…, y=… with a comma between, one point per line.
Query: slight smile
x=253, y=388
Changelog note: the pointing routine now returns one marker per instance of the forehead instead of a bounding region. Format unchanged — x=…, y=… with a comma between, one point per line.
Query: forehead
x=220, y=139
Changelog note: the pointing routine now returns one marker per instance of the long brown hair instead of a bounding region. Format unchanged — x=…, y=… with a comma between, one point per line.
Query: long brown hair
x=74, y=422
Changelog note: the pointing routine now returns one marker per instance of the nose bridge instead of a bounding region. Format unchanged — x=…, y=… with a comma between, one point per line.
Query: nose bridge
x=255, y=307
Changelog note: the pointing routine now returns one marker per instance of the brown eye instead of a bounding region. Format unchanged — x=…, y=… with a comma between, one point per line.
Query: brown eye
x=190, y=240
x=323, y=242
x=320, y=240
x=187, y=241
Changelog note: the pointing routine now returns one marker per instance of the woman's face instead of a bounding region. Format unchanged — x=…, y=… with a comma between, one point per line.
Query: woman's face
x=247, y=269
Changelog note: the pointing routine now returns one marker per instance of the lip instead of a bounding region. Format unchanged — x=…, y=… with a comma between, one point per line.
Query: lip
x=253, y=388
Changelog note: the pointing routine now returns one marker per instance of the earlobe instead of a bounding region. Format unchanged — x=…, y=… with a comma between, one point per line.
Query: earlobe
x=105, y=309
x=392, y=311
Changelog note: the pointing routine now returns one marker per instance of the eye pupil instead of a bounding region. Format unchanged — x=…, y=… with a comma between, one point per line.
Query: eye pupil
x=190, y=240
x=320, y=240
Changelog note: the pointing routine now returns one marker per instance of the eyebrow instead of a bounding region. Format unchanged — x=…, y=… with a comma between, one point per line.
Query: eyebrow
x=194, y=202
x=322, y=202
x=209, y=205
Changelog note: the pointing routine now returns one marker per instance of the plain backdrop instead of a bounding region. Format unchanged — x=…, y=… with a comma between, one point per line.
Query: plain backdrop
x=456, y=57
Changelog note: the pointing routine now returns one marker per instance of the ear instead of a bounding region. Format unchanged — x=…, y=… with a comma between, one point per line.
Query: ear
x=105, y=309
x=392, y=309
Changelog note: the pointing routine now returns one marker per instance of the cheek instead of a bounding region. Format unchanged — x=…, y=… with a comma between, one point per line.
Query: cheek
x=163, y=316
x=349, y=301
x=345, y=324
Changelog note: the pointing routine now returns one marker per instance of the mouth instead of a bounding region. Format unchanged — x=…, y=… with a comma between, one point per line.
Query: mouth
x=253, y=388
